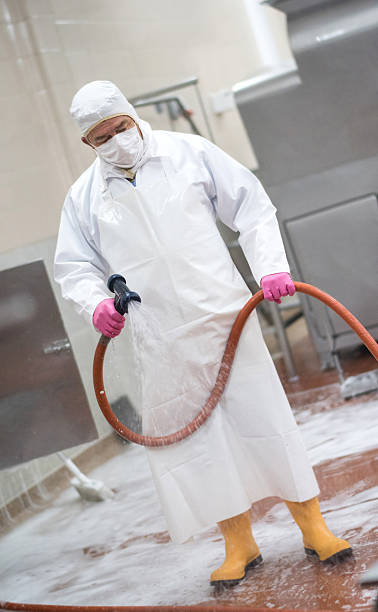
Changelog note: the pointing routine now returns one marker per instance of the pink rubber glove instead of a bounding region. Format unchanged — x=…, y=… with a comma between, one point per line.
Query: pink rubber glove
x=276, y=286
x=107, y=320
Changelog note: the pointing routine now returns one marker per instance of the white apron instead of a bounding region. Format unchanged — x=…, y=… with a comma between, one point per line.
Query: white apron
x=163, y=238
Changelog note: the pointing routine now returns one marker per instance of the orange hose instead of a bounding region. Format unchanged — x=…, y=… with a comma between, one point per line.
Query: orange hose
x=224, y=370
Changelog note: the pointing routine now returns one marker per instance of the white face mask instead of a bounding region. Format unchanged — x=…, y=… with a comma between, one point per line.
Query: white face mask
x=124, y=149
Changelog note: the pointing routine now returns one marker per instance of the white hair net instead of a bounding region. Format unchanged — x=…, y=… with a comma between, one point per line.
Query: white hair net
x=97, y=101
x=100, y=100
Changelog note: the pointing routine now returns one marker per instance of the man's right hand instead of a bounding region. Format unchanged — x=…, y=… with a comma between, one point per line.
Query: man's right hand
x=107, y=320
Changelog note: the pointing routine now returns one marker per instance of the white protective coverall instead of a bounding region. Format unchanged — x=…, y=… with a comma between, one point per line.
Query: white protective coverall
x=162, y=236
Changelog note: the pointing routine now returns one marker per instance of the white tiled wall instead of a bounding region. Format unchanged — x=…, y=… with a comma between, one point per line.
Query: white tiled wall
x=49, y=48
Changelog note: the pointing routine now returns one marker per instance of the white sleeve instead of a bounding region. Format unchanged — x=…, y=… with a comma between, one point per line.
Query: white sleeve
x=78, y=266
x=243, y=205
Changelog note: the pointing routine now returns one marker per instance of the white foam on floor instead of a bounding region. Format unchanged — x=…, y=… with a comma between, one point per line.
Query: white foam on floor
x=341, y=431
x=116, y=553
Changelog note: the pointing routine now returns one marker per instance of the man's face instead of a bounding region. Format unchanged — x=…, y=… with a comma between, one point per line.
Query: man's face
x=105, y=130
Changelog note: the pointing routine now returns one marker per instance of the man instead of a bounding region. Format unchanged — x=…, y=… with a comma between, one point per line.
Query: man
x=146, y=209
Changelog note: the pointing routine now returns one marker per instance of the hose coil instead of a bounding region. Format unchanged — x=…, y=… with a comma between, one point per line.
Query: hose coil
x=224, y=370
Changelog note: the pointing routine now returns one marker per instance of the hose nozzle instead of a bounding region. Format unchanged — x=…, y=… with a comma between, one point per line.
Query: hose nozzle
x=123, y=295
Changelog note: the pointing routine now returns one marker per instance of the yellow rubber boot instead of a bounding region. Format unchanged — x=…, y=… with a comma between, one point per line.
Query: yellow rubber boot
x=317, y=538
x=241, y=549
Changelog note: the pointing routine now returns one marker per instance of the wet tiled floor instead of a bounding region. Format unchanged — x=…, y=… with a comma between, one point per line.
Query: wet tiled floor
x=119, y=553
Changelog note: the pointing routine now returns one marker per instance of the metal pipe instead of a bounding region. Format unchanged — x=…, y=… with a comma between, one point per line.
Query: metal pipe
x=192, y=81
x=284, y=342
x=204, y=112
x=163, y=90
x=164, y=100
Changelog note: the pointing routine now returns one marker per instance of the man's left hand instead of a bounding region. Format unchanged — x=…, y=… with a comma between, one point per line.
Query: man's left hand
x=276, y=286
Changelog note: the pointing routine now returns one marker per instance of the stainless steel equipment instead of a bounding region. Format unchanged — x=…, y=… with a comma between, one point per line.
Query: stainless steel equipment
x=315, y=133
x=43, y=405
